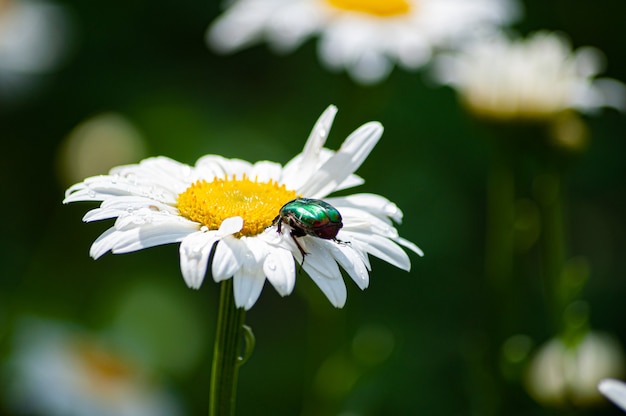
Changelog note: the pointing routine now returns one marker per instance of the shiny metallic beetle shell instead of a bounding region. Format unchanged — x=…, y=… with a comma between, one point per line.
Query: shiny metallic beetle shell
x=308, y=216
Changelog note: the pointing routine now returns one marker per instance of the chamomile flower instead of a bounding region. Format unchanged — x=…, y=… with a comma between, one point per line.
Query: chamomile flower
x=34, y=40
x=363, y=37
x=57, y=369
x=228, y=207
x=562, y=374
x=529, y=79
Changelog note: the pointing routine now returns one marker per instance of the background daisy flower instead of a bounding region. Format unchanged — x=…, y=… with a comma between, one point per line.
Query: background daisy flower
x=155, y=71
x=233, y=203
x=535, y=78
x=363, y=37
x=35, y=38
x=561, y=374
x=58, y=369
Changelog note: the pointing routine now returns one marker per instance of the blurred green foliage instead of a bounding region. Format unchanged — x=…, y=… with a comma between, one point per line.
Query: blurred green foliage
x=416, y=343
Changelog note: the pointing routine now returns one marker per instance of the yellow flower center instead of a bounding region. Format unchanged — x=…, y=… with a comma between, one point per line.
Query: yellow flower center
x=105, y=371
x=380, y=8
x=258, y=203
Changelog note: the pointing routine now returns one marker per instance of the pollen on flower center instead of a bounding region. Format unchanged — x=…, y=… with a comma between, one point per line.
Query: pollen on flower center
x=381, y=8
x=258, y=203
x=104, y=369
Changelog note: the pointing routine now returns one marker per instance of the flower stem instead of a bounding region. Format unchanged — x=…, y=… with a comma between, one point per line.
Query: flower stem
x=227, y=357
x=500, y=219
x=548, y=189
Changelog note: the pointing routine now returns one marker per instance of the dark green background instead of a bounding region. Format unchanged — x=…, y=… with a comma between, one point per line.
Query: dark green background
x=148, y=61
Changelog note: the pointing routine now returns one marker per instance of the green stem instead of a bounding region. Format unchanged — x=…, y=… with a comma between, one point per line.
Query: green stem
x=548, y=189
x=498, y=265
x=227, y=357
x=500, y=218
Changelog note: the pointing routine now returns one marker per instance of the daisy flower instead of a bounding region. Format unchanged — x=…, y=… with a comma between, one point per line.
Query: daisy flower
x=362, y=37
x=228, y=207
x=529, y=79
x=562, y=374
x=57, y=369
x=614, y=390
x=34, y=38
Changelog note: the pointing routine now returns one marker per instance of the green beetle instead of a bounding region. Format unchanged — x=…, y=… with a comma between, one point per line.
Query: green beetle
x=307, y=216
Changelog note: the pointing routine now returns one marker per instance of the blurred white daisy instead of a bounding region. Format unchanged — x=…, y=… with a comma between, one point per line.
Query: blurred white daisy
x=614, y=390
x=233, y=203
x=363, y=37
x=34, y=39
x=563, y=375
x=58, y=370
x=529, y=79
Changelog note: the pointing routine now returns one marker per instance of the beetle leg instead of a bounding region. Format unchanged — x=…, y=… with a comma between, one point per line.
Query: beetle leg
x=278, y=222
x=304, y=253
x=343, y=243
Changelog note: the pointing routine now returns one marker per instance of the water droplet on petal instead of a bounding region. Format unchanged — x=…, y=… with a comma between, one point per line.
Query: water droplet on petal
x=192, y=253
x=323, y=132
x=91, y=194
x=271, y=265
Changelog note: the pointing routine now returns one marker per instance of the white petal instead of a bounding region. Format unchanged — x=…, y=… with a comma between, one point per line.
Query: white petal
x=249, y=279
x=373, y=203
x=100, y=188
x=602, y=92
x=318, y=257
x=364, y=257
x=305, y=164
x=318, y=136
x=342, y=164
x=123, y=205
x=99, y=214
x=227, y=259
x=161, y=172
x=218, y=166
x=150, y=235
x=613, y=93
x=292, y=175
x=333, y=288
x=410, y=245
x=211, y=166
x=104, y=242
x=80, y=192
x=280, y=269
x=363, y=221
x=146, y=216
x=272, y=237
x=231, y=225
x=264, y=170
x=351, y=261
x=194, y=256
x=240, y=26
x=247, y=285
x=350, y=182
x=370, y=67
x=196, y=248
x=614, y=390
x=381, y=247
x=292, y=22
